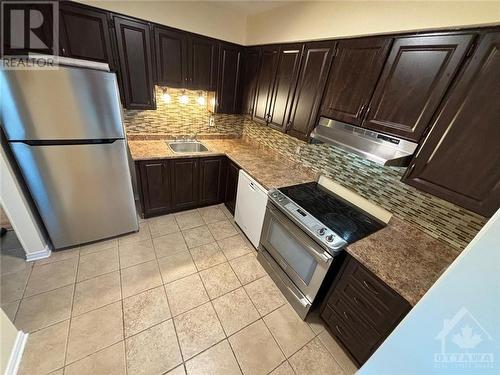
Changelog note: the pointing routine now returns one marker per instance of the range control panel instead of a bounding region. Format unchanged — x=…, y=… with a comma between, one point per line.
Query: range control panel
x=312, y=226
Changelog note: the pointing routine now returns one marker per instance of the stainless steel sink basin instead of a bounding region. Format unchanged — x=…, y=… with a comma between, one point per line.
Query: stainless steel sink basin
x=187, y=146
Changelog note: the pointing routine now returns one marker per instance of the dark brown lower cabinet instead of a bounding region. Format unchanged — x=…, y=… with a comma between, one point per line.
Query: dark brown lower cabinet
x=184, y=184
x=154, y=185
x=361, y=310
x=233, y=171
x=171, y=185
x=212, y=179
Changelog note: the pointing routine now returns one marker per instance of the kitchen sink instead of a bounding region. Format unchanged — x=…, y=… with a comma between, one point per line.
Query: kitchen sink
x=187, y=146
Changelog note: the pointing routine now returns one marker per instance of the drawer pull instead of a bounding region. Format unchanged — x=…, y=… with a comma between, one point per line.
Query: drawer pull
x=369, y=287
x=347, y=316
x=339, y=330
x=358, y=302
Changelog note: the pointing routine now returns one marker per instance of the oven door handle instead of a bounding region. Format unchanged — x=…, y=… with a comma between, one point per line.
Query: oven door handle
x=322, y=256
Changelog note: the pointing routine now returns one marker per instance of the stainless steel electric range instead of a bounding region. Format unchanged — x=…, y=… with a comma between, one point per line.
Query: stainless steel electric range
x=305, y=228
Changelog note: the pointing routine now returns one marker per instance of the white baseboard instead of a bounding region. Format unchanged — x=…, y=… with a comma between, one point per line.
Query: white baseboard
x=16, y=354
x=37, y=255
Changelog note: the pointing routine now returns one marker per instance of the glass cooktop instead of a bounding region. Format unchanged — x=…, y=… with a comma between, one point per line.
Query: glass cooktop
x=342, y=217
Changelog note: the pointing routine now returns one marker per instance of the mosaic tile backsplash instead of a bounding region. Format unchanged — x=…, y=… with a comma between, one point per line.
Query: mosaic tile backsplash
x=175, y=118
x=382, y=185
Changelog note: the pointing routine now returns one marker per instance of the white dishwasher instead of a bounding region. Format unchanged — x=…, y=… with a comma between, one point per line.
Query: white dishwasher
x=251, y=201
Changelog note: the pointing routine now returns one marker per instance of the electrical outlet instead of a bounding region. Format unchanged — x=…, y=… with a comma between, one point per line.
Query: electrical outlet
x=211, y=121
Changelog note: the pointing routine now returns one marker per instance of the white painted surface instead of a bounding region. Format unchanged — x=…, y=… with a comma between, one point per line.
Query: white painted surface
x=306, y=20
x=201, y=17
x=466, y=295
x=12, y=344
x=251, y=201
x=356, y=199
x=19, y=213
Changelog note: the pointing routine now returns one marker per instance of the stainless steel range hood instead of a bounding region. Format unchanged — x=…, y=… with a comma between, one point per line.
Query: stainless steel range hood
x=371, y=145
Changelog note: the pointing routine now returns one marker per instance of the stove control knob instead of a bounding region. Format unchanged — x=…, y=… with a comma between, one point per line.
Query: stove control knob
x=275, y=194
x=330, y=238
x=321, y=231
x=280, y=197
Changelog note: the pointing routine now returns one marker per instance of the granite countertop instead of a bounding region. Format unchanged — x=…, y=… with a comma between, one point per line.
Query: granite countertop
x=404, y=257
x=268, y=168
x=401, y=255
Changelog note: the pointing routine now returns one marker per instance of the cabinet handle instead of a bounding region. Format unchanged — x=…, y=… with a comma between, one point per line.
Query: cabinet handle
x=358, y=302
x=346, y=315
x=288, y=126
x=360, y=112
x=369, y=287
x=339, y=330
x=63, y=50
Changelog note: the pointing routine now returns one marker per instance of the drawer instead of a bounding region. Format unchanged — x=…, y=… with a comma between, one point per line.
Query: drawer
x=376, y=314
x=357, y=347
x=378, y=302
x=356, y=321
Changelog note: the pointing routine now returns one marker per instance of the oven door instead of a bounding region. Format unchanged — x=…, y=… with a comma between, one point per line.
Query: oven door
x=303, y=260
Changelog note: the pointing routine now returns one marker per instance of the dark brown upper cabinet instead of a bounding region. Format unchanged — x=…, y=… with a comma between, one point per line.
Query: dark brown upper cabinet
x=135, y=62
x=417, y=74
x=285, y=82
x=459, y=159
x=316, y=61
x=84, y=34
x=250, y=69
x=171, y=57
x=354, y=74
x=228, y=90
x=266, y=76
x=203, y=58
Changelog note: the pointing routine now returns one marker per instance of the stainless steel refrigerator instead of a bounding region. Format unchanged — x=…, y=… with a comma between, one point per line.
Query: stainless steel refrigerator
x=65, y=130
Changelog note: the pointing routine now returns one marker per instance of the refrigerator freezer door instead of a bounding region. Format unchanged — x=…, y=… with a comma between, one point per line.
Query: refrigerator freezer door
x=62, y=104
x=83, y=192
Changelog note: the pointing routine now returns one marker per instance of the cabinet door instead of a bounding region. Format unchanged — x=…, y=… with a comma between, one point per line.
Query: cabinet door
x=251, y=61
x=228, y=98
x=353, y=77
x=459, y=159
x=84, y=34
x=171, y=57
x=203, y=58
x=212, y=178
x=155, y=187
x=284, y=85
x=233, y=171
x=267, y=74
x=415, y=78
x=184, y=183
x=136, y=67
x=316, y=62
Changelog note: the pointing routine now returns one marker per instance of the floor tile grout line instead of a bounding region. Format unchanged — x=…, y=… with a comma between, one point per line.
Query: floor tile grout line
x=71, y=312
x=123, y=310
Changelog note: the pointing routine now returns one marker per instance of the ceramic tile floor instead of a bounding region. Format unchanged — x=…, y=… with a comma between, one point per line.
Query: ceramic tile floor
x=184, y=295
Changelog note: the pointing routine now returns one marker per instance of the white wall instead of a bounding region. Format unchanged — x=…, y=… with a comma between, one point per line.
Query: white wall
x=202, y=17
x=12, y=344
x=471, y=282
x=302, y=20
x=19, y=213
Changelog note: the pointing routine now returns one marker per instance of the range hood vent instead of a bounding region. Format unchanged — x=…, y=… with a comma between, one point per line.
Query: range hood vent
x=369, y=144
